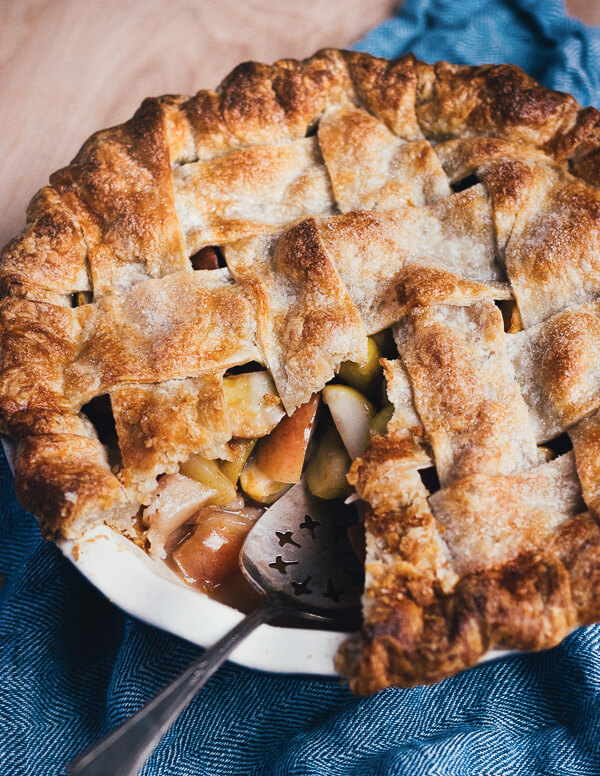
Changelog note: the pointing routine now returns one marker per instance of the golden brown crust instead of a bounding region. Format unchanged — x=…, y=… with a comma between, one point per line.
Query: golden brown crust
x=489, y=519
x=307, y=323
x=241, y=163
x=393, y=261
x=405, y=420
x=498, y=100
x=257, y=104
x=585, y=437
x=50, y=253
x=159, y=426
x=526, y=605
x=31, y=422
x=529, y=604
x=37, y=340
x=66, y=481
x=552, y=252
x=465, y=391
x=577, y=545
x=120, y=187
x=462, y=157
x=556, y=366
x=250, y=191
x=579, y=144
x=373, y=169
x=387, y=89
x=184, y=324
x=383, y=476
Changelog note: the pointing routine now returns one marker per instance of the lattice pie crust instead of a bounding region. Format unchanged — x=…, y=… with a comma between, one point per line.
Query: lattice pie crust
x=338, y=190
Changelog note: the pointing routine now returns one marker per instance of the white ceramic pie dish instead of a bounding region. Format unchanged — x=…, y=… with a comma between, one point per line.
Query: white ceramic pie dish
x=148, y=589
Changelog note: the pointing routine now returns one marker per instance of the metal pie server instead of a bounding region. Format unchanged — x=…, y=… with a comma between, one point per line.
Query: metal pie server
x=299, y=557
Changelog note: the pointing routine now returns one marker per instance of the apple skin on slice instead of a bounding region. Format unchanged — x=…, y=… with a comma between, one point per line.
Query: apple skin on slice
x=380, y=422
x=208, y=473
x=328, y=466
x=241, y=449
x=352, y=414
x=280, y=456
x=368, y=378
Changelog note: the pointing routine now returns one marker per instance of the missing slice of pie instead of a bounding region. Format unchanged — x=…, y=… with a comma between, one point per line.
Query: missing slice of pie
x=417, y=245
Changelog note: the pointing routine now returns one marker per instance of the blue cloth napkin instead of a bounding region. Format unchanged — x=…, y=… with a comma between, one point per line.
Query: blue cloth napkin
x=72, y=665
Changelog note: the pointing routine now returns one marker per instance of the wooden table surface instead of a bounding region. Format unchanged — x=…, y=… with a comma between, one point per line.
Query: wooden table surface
x=70, y=67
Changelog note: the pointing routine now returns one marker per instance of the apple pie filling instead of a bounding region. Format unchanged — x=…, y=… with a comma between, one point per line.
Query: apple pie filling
x=198, y=517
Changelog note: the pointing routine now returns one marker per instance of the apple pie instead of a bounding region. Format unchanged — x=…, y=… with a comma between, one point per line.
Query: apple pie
x=383, y=274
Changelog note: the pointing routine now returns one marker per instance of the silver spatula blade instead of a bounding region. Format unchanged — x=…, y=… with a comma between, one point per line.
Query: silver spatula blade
x=299, y=550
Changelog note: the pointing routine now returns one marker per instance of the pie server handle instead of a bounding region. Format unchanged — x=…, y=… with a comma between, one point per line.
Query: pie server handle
x=125, y=749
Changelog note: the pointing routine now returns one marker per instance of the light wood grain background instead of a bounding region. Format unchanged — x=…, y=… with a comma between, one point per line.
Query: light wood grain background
x=69, y=67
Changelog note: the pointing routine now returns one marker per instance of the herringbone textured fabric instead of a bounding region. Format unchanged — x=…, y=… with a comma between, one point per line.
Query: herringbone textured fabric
x=72, y=665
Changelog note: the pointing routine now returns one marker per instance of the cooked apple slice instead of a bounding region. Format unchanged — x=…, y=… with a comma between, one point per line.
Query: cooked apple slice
x=174, y=501
x=253, y=406
x=352, y=414
x=258, y=486
x=208, y=473
x=380, y=422
x=280, y=456
x=328, y=465
x=367, y=378
x=241, y=449
x=210, y=556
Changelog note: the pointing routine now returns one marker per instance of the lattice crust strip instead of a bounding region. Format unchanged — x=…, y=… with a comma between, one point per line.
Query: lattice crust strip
x=547, y=223
x=183, y=325
x=250, y=191
x=465, y=390
x=159, y=426
x=307, y=322
x=329, y=185
x=371, y=168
